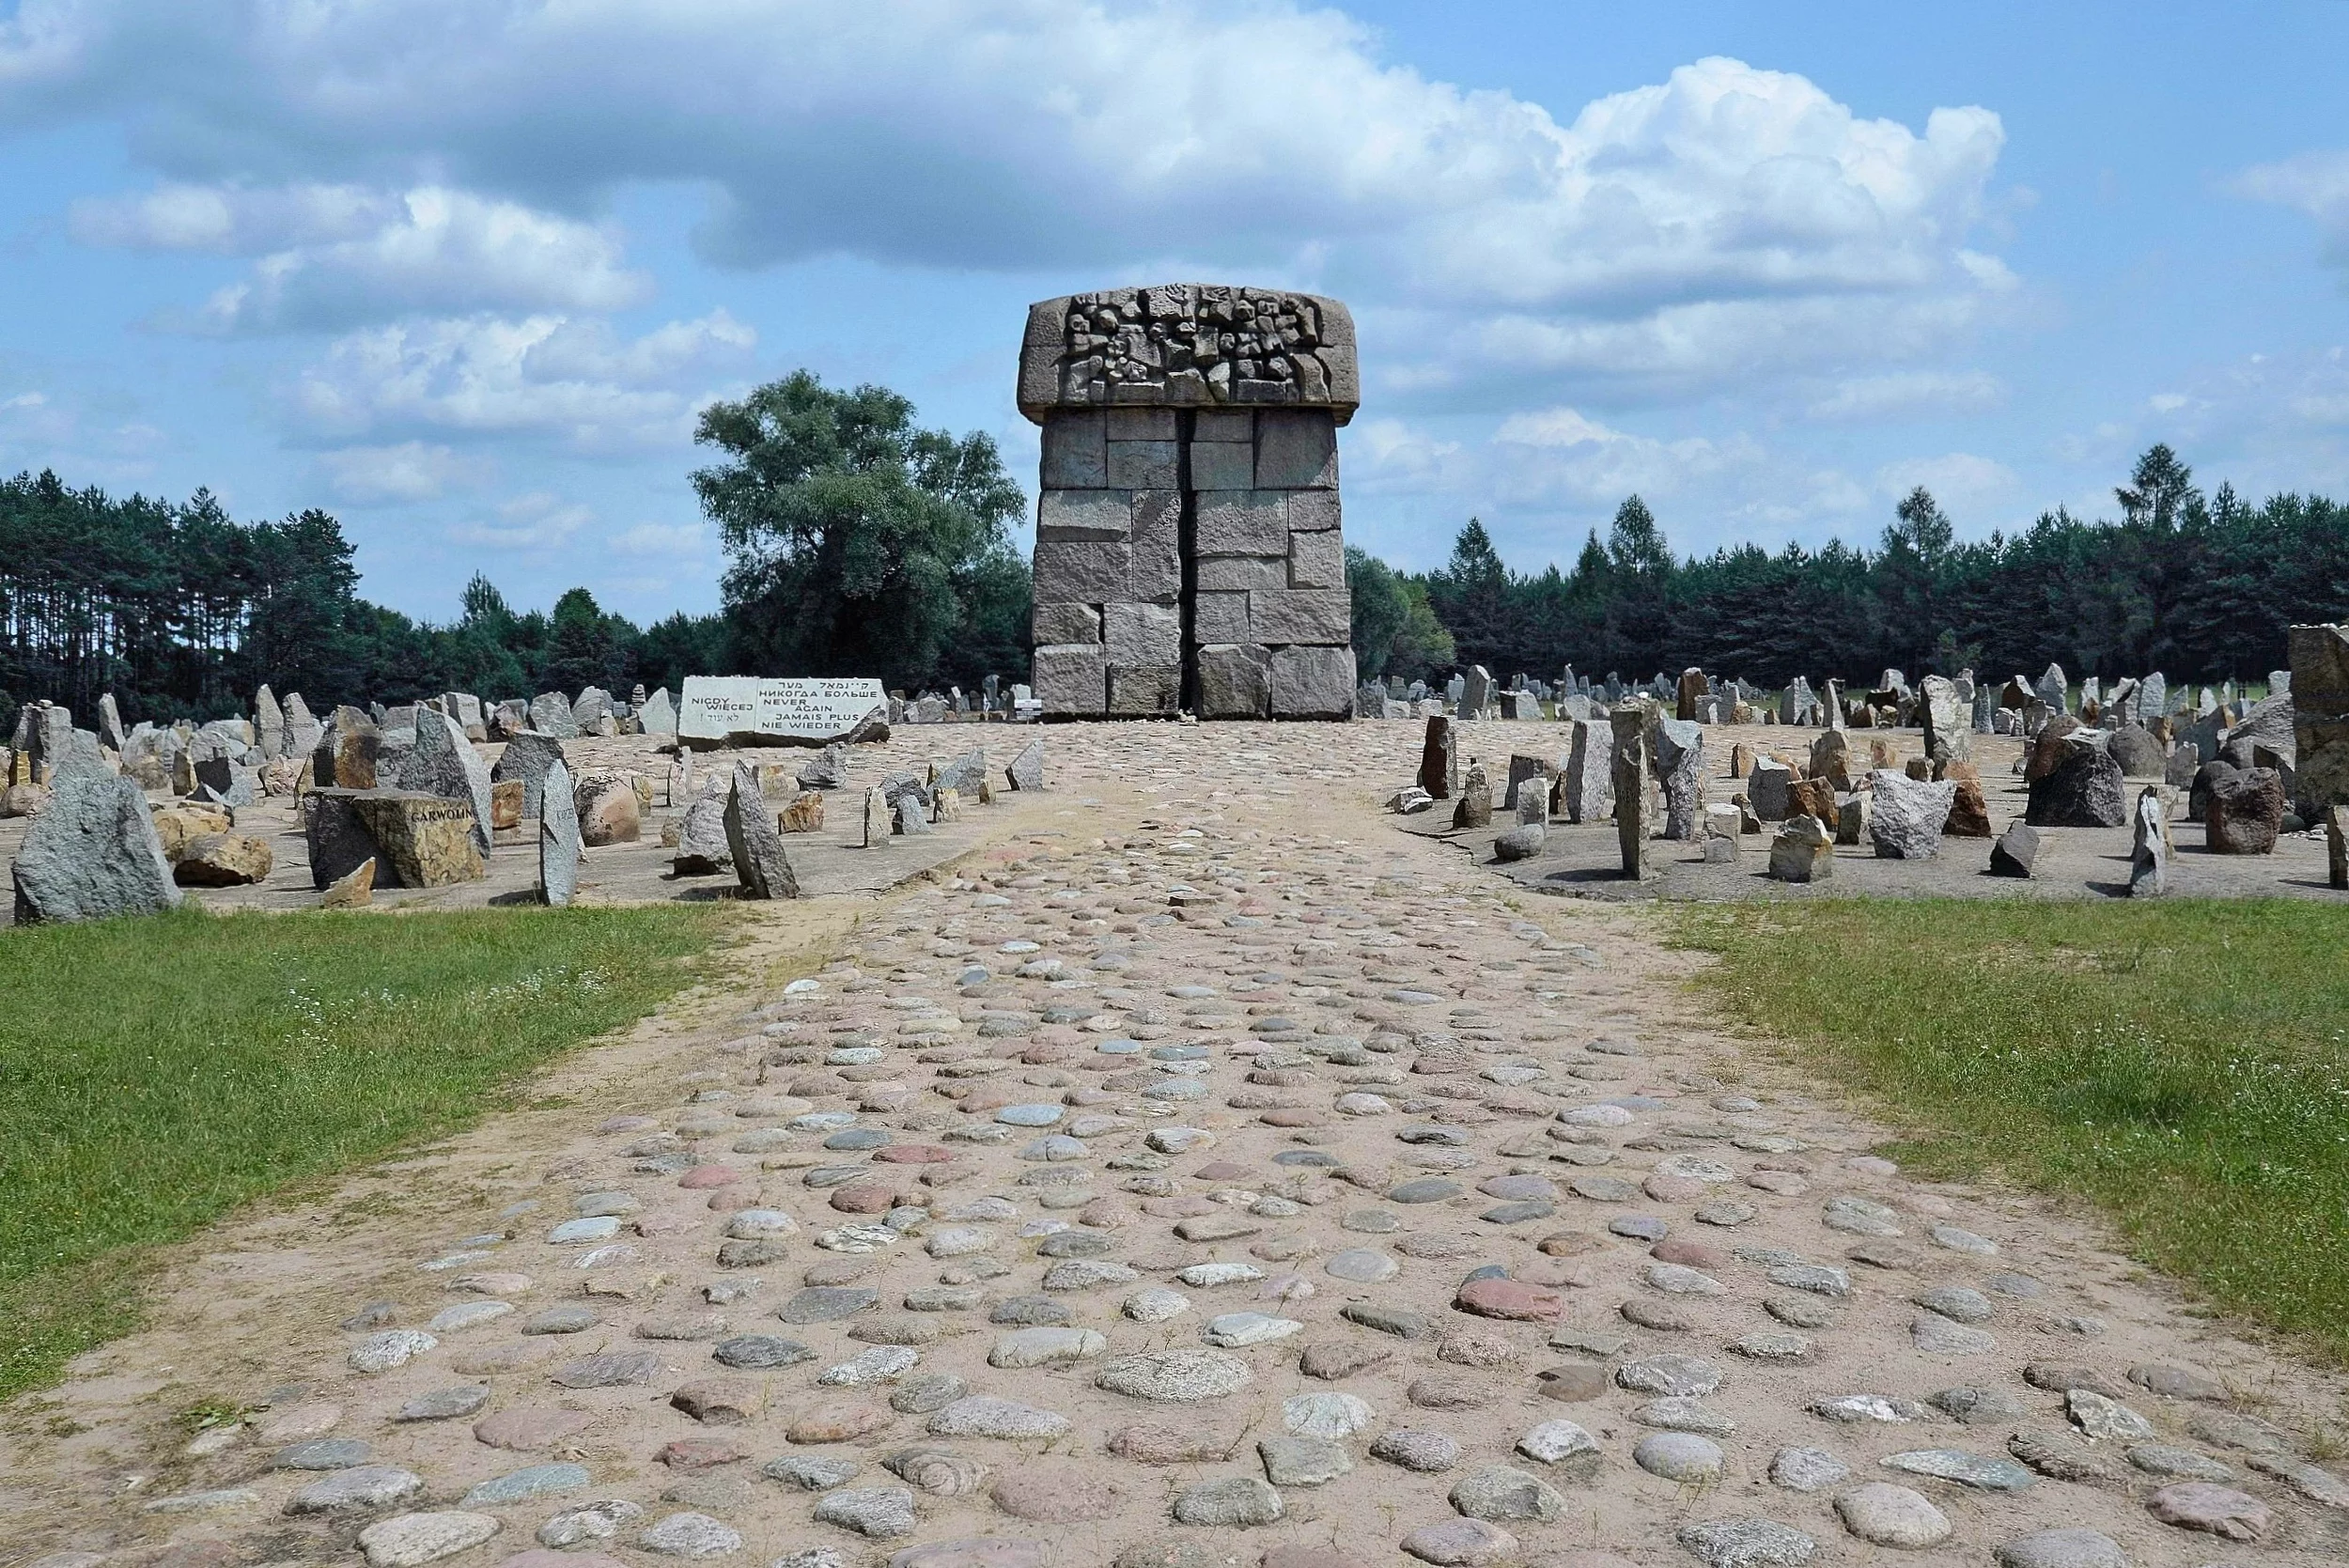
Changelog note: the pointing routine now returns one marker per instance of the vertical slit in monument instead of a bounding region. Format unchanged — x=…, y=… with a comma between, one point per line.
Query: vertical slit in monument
x=1186, y=547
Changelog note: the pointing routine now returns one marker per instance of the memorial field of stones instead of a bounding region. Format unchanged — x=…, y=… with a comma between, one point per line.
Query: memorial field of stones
x=1198, y=1170
x=445, y=803
x=1702, y=787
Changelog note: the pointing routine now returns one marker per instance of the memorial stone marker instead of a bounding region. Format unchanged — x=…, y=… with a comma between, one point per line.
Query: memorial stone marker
x=1188, y=552
x=751, y=710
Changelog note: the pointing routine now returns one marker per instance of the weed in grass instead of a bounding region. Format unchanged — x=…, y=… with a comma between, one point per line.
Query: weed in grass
x=2183, y=1064
x=210, y=1412
x=155, y=1074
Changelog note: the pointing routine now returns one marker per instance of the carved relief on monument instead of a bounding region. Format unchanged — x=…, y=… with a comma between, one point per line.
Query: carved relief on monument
x=1188, y=345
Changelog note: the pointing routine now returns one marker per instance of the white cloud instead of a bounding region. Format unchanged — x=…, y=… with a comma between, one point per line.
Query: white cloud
x=536, y=520
x=1963, y=483
x=1910, y=393
x=1724, y=225
x=660, y=538
x=573, y=380
x=409, y=470
x=332, y=256
x=2318, y=184
x=1564, y=452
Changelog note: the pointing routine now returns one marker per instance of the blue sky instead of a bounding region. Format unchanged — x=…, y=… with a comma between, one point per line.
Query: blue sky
x=462, y=272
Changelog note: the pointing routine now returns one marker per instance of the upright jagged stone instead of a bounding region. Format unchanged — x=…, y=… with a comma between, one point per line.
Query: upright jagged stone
x=529, y=756
x=759, y=859
x=1679, y=762
x=702, y=845
x=1589, y=786
x=269, y=723
x=1631, y=722
x=2149, y=855
x=301, y=730
x=550, y=714
x=2320, y=716
x=111, y=733
x=444, y=763
x=347, y=751
x=658, y=714
x=1949, y=721
x=1026, y=771
x=560, y=850
x=1439, y=759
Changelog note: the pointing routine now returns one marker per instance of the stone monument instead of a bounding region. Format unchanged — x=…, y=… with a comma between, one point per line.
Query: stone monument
x=1188, y=546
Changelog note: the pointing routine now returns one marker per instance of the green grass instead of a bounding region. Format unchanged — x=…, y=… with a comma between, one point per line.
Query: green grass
x=155, y=1074
x=2182, y=1064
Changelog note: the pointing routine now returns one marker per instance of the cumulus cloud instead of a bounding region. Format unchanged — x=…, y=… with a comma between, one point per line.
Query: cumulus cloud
x=2318, y=184
x=537, y=521
x=1725, y=223
x=1960, y=481
x=409, y=470
x=574, y=380
x=1562, y=451
x=1910, y=393
x=332, y=256
x=661, y=539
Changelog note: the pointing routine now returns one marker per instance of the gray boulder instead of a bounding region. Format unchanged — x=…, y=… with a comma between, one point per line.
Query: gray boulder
x=1521, y=843
x=1767, y=786
x=301, y=730
x=2268, y=727
x=269, y=722
x=1905, y=822
x=93, y=853
x=912, y=812
x=550, y=714
x=702, y=847
x=528, y=756
x=658, y=714
x=1949, y=720
x=80, y=755
x=827, y=770
x=1027, y=770
x=2014, y=850
x=2137, y=752
x=110, y=732
x=2081, y=790
x=963, y=776
x=592, y=709
x=560, y=850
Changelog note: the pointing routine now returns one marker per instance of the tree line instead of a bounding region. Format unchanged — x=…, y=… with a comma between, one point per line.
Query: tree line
x=859, y=543
x=2199, y=587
